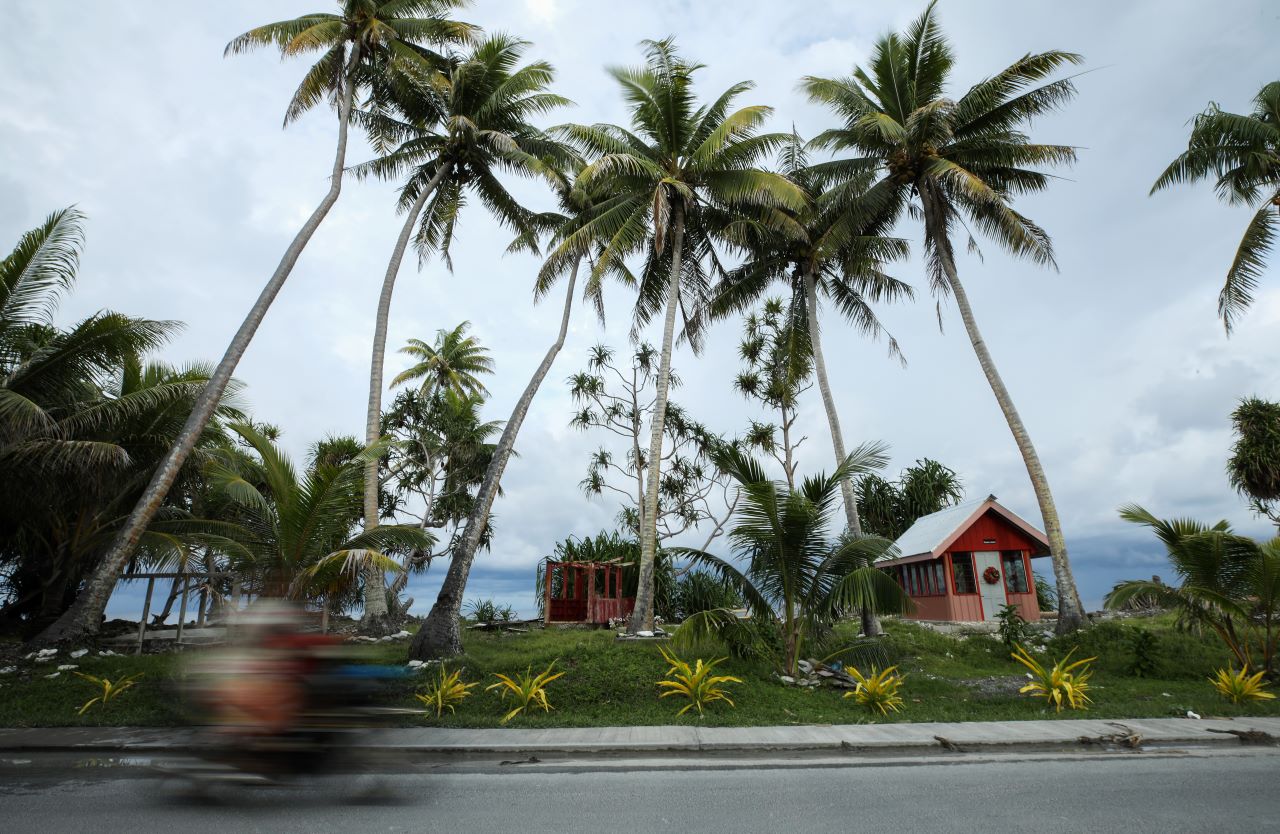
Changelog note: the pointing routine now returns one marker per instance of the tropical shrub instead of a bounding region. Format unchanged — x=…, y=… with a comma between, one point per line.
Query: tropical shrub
x=879, y=690
x=482, y=610
x=1013, y=629
x=797, y=578
x=446, y=692
x=1240, y=687
x=1145, y=660
x=110, y=690
x=696, y=683
x=1062, y=684
x=527, y=690
x=1229, y=584
x=1046, y=593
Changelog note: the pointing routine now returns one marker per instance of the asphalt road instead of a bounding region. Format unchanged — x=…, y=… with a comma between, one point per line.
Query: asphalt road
x=1131, y=792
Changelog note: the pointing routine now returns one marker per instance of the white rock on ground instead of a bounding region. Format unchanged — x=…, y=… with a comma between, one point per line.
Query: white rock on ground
x=8, y=670
x=54, y=675
x=79, y=653
x=400, y=635
x=644, y=633
x=415, y=664
x=67, y=667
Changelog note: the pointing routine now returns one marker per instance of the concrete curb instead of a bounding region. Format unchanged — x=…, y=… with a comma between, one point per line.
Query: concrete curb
x=607, y=740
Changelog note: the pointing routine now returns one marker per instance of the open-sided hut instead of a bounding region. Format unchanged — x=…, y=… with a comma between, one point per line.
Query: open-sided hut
x=585, y=592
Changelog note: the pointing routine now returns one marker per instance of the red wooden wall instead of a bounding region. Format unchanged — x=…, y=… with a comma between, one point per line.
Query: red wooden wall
x=989, y=526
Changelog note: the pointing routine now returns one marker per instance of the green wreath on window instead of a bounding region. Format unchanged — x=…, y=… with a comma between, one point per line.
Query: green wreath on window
x=991, y=575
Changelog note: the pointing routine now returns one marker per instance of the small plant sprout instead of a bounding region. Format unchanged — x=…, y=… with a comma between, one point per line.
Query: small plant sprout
x=1241, y=687
x=695, y=682
x=527, y=690
x=110, y=690
x=1062, y=684
x=446, y=692
x=877, y=691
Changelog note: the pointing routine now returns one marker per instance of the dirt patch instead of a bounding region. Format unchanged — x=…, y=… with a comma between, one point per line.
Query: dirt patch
x=995, y=686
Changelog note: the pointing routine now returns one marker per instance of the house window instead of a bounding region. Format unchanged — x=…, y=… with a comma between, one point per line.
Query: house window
x=1015, y=572
x=962, y=569
x=940, y=577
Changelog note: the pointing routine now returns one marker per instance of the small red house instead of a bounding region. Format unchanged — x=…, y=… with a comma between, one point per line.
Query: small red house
x=585, y=592
x=965, y=562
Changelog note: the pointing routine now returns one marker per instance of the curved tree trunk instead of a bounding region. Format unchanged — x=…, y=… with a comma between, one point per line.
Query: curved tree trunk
x=439, y=635
x=870, y=625
x=376, y=620
x=642, y=616
x=85, y=616
x=1070, y=611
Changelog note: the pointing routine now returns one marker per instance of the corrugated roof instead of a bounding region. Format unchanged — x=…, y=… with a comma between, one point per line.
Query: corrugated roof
x=930, y=534
x=931, y=530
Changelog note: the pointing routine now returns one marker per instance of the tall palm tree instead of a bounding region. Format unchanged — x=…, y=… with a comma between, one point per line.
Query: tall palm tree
x=484, y=102
x=797, y=577
x=667, y=180
x=365, y=37
x=826, y=246
x=962, y=159
x=439, y=635
x=454, y=363
x=1243, y=153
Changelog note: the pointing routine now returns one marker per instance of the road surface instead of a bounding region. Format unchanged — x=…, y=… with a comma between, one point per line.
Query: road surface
x=1163, y=792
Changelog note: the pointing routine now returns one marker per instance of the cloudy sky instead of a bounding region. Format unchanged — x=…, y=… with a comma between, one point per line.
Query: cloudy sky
x=1117, y=362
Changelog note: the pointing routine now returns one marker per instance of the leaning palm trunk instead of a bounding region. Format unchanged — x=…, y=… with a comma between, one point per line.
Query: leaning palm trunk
x=870, y=625
x=642, y=616
x=84, y=617
x=1070, y=611
x=376, y=620
x=439, y=635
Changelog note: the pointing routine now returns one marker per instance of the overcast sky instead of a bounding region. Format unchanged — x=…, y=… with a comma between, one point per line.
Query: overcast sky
x=1116, y=361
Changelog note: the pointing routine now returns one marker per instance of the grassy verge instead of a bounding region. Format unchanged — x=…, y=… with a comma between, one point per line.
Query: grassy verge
x=610, y=683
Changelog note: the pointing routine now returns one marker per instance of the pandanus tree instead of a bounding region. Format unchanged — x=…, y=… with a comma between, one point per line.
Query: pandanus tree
x=954, y=163
x=668, y=182
x=1241, y=153
x=792, y=574
x=439, y=635
x=454, y=134
x=358, y=46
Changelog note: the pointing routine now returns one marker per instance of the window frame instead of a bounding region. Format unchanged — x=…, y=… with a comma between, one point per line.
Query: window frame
x=1008, y=558
x=966, y=557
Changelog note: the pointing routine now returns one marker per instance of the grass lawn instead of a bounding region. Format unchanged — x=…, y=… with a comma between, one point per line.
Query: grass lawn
x=612, y=683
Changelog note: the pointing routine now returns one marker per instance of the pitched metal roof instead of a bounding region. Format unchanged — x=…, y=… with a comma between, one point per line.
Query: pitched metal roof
x=930, y=535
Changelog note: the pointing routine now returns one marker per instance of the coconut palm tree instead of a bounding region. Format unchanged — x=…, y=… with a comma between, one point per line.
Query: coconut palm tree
x=454, y=363
x=439, y=635
x=798, y=578
x=1242, y=154
x=952, y=162
x=826, y=246
x=366, y=39
x=454, y=134
x=1230, y=584
x=668, y=182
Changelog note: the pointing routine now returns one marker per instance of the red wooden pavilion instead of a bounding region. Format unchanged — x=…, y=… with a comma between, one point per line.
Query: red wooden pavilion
x=585, y=592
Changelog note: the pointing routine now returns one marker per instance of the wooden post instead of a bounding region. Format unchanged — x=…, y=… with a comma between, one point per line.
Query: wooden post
x=146, y=612
x=182, y=607
x=591, y=593
x=324, y=616
x=546, y=611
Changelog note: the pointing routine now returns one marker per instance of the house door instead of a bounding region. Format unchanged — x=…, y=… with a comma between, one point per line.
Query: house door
x=993, y=596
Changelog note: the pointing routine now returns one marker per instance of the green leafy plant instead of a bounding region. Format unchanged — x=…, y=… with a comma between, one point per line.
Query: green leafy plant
x=527, y=690
x=1240, y=687
x=1013, y=629
x=1062, y=684
x=879, y=690
x=695, y=682
x=446, y=692
x=482, y=610
x=1145, y=661
x=110, y=690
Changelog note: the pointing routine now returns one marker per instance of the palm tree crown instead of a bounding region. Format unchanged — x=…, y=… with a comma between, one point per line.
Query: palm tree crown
x=454, y=363
x=1243, y=153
